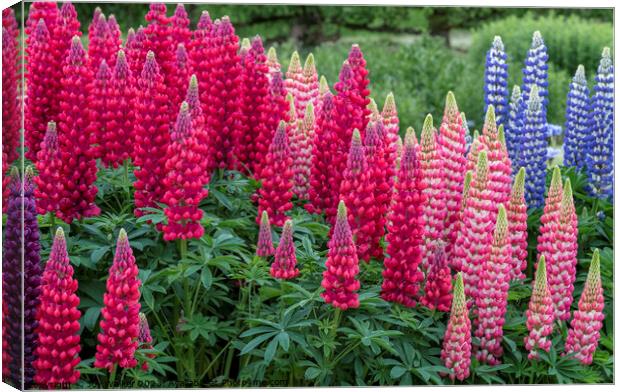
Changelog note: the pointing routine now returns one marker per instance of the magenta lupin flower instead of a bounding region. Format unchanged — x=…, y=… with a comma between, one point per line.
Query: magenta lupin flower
x=49, y=187
x=120, y=324
x=517, y=226
x=540, y=314
x=284, y=265
x=180, y=22
x=264, y=247
x=438, y=286
x=492, y=297
x=340, y=278
x=456, y=350
x=145, y=340
x=584, y=333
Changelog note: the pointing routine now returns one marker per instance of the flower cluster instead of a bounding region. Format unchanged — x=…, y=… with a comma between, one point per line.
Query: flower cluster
x=540, y=314
x=101, y=45
x=302, y=83
x=264, y=247
x=302, y=160
x=534, y=149
x=159, y=40
x=10, y=104
x=48, y=184
x=438, y=285
x=456, y=350
x=514, y=127
x=517, y=226
x=535, y=72
x=578, y=121
x=181, y=33
x=496, y=80
x=285, y=262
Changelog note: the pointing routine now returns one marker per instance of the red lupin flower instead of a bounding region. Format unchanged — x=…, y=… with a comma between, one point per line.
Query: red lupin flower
x=75, y=140
x=99, y=41
x=10, y=104
x=59, y=321
x=340, y=278
x=49, y=185
x=438, y=286
x=120, y=324
x=401, y=274
x=159, y=39
x=277, y=179
x=284, y=265
x=136, y=50
x=179, y=80
x=517, y=226
x=456, y=350
x=100, y=114
x=145, y=340
x=114, y=38
x=185, y=181
x=179, y=21
x=264, y=247
x=540, y=314
x=46, y=10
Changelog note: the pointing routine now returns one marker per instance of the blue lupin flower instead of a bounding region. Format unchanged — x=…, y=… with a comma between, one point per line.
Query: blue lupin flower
x=468, y=138
x=534, y=149
x=554, y=130
x=578, y=121
x=496, y=81
x=535, y=71
x=600, y=160
x=514, y=129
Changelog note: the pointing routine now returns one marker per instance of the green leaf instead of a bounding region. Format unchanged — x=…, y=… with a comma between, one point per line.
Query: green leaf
x=284, y=340
x=312, y=373
x=256, y=341
x=99, y=253
x=397, y=372
x=90, y=317
x=270, y=352
x=206, y=278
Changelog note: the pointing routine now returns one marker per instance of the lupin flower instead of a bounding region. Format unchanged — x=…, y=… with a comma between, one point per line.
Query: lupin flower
x=399, y=152
x=178, y=80
x=10, y=105
x=600, y=159
x=389, y=115
x=535, y=72
x=456, y=349
x=145, y=340
x=92, y=27
x=323, y=89
x=534, y=149
x=584, y=333
x=284, y=265
x=277, y=179
x=401, y=273
x=99, y=111
x=264, y=247
x=357, y=193
x=435, y=210
x=152, y=136
x=59, y=320
x=578, y=121
x=46, y=10
x=517, y=226
x=539, y=314
x=181, y=33
x=114, y=38
x=475, y=238
x=468, y=136
x=49, y=165
x=514, y=128
x=272, y=62
x=158, y=39
x=41, y=87
x=99, y=47
x=496, y=80
x=120, y=322
x=195, y=108
x=451, y=144
x=186, y=177
x=66, y=27
x=492, y=298
x=136, y=50
x=438, y=286
x=302, y=161
x=117, y=141
x=302, y=83
x=75, y=139
x=342, y=266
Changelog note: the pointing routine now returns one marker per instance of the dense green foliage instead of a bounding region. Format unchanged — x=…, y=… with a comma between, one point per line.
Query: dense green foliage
x=219, y=318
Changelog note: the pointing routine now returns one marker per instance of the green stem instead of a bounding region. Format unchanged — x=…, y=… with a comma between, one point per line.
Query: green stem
x=52, y=224
x=188, y=309
x=214, y=361
x=231, y=350
x=112, y=377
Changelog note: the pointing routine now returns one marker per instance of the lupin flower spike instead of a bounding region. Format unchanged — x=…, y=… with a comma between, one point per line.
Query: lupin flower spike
x=284, y=265
x=340, y=277
x=535, y=72
x=534, y=149
x=405, y=229
x=48, y=186
x=272, y=61
x=578, y=121
x=120, y=323
x=456, y=349
x=496, y=80
x=145, y=340
x=438, y=286
x=302, y=161
x=514, y=128
x=11, y=123
x=389, y=115
x=584, y=333
x=517, y=226
x=264, y=246
x=59, y=320
x=540, y=314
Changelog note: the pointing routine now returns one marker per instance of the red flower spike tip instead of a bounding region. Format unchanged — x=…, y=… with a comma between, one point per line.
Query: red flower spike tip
x=179, y=79
x=75, y=139
x=59, y=320
x=152, y=136
x=159, y=39
x=340, y=278
x=456, y=350
x=136, y=50
x=492, y=298
x=540, y=314
x=195, y=109
x=264, y=247
x=435, y=211
x=145, y=341
x=284, y=265
x=185, y=181
x=120, y=323
x=401, y=273
x=181, y=33
x=451, y=143
x=438, y=286
x=517, y=226
x=114, y=38
x=584, y=333
x=99, y=47
x=48, y=188
x=277, y=183
x=46, y=10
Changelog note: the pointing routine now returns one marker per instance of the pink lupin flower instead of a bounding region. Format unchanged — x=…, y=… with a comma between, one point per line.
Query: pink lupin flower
x=120, y=324
x=475, y=236
x=517, y=226
x=584, y=333
x=302, y=161
x=540, y=313
x=293, y=83
x=451, y=142
x=474, y=150
x=264, y=247
x=492, y=298
x=273, y=65
x=59, y=320
x=186, y=177
x=456, y=350
x=342, y=266
x=389, y=115
x=284, y=265
x=277, y=179
x=438, y=286
x=309, y=87
x=92, y=27
x=323, y=89
x=48, y=188
x=145, y=340
x=181, y=33
x=401, y=273
x=432, y=167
